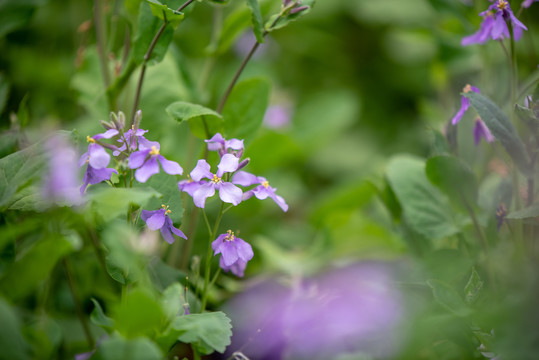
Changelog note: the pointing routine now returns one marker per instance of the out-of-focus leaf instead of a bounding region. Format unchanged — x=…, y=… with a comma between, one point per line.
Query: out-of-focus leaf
x=23, y=115
x=448, y=297
x=15, y=14
x=172, y=302
x=4, y=92
x=13, y=344
x=256, y=19
x=275, y=22
x=245, y=108
x=454, y=178
x=473, y=287
x=26, y=273
x=28, y=199
x=526, y=213
x=208, y=332
x=99, y=318
x=527, y=117
x=139, y=314
x=9, y=232
x=163, y=12
x=124, y=264
x=116, y=348
x=424, y=207
x=501, y=127
x=111, y=202
x=203, y=122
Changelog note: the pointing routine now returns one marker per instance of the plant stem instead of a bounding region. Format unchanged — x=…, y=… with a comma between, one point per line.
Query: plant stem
x=78, y=306
x=207, y=271
x=482, y=239
x=100, y=45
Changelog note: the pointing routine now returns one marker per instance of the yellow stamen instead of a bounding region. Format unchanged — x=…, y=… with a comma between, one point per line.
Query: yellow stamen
x=467, y=88
x=216, y=179
x=265, y=184
x=89, y=139
x=154, y=151
x=502, y=4
x=230, y=236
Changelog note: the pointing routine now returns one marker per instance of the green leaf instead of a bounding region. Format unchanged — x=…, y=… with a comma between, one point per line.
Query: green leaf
x=12, y=343
x=23, y=115
x=4, y=92
x=245, y=108
x=15, y=14
x=256, y=19
x=111, y=202
x=203, y=122
x=446, y=296
x=99, y=318
x=502, y=128
x=454, y=178
x=424, y=207
x=24, y=275
x=11, y=232
x=139, y=314
x=473, y=287
x=163, y=12
x=28, y=199
x=207, y=331
x=124, y=264
x=136, y=349
x=276, y=22
x=526, y=213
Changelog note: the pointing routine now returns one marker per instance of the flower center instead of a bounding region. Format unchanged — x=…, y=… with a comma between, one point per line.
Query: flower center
x=215, y=180
x=467, y=88
x=265, y=184
x=230, y=236
x=154, y=151
x=89, y=139
x=502, y=5
x=167, y=211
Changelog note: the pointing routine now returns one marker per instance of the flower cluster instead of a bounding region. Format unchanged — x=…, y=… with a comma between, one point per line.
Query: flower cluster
x=235, y=252
x=494, y=25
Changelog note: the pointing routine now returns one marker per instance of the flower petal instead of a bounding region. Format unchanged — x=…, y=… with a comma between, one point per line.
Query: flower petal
x=279, y=201
x=202, y=170
x=150, y=167
x=98, y=156
x=245, y=251
x=137, y=158
x=216, y=244
x=167, y=235
x=157, y=220
x=216, y=142
x=229, y=163
x=175, y=230
x=229, y=253
x=202, y=193
x=230, y=193
x=169, y=166
x=244, y=178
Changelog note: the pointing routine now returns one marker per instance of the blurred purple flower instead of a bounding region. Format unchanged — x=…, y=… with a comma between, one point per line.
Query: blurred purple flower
x=349, y=310
x=464, y=103
x=494, y=24
x=277, y=116
x=61, y=183
x=235, y=252
x=528, y=3
x=145, y=161
x=481, y=131
x=159, y=220
x=262, y=191
x=245, y=43
x=201, y=190
x=222, y=146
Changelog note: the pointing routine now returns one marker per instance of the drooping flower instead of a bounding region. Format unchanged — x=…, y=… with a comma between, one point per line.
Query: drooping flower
x=235, y=253
x=97, y=160
x=481, y=131
x=222, y=146
x=159, y=220
x=61, y=183
x=464, y=103
x=95, y=176
x=145, y=161
x=262, y=191
x=201, y=190
x=494, y=25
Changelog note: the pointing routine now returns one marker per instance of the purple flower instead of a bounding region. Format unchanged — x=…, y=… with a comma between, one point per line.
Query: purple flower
x=262, y=191
x=528, y=3
x=494, y=24
x=61, y=183
x=235, y=253
x=481, y=131
x=145, y=161
x=219, y=144
x=201, y=190
x=464, y=103
x=95, y=176
x=97, y=160
x=134, y=139
x=277, y=116
x=294, y=6
x=159, y=220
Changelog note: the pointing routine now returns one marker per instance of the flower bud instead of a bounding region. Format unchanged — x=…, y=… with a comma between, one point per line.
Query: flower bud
x=244, y=163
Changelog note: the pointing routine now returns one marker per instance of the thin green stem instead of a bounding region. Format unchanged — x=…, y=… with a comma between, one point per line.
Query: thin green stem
x=480, y=234
x=207, y=271
x=98, y=16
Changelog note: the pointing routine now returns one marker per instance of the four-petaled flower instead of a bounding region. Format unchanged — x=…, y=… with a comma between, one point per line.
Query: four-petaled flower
x=201, y=190
x=222, y=146
x=464, y=103
x=494, y=24
x=159, y=220
x=481, y=130
x=235, y=252
x=145, y=161
x=262, y=191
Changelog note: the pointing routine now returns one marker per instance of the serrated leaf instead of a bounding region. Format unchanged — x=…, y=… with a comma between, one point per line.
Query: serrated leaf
x=446, y=296
x=454, y=178
x=276, y=22
x=163, y=12
x=207, y=331
x=26, y=273
x=501, y=127
x=256, y=19
x=111, y=202
x=203, y=122
x=473, y=287
x=245, y=108
x=424, y=207
x=99, y=318
x=139, y=314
